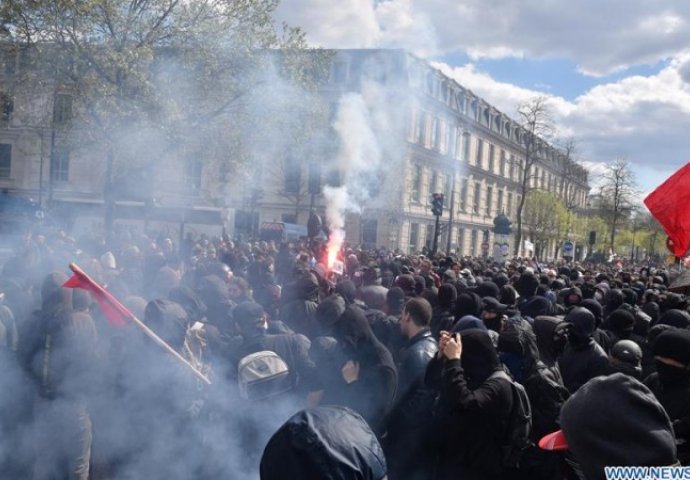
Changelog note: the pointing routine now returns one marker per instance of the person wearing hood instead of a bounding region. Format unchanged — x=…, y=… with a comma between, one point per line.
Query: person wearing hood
x=517, y=347
x=57, y=350
x=600, y=336
x=621, y=323
x=443, y=317
x=292, y=348
x=328, y=443
x=408, y=425
x=613, y=421
x=675, y=318
x=368, y=376
x=671, y=384
x=300, y=301
x=583, y=359
x=551, y=335
x=536, y=306
x=468, y=303
x=475, y=400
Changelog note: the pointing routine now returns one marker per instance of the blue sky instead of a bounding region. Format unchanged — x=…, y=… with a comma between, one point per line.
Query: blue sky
x=617, y=73
x=555, y=76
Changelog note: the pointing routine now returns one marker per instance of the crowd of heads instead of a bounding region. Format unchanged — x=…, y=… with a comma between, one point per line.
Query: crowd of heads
x=371, y=377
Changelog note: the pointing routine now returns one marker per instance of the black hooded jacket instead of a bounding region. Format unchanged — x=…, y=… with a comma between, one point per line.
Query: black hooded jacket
x=299, y=307
x=57, y=347
x=472, y=409
x=583, y=359
x=544, y=387
x=328, y=443
x=671, y=385
x=372, y=394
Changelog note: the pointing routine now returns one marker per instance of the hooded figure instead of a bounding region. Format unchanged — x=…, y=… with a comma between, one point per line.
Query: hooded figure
x=600, y=336
x=536, y=306
x=328, y=443
x=444, y=315
x=468, y=303
x=583, y=358
x=300, y=301
x=518, y=350
x=369, y=377
x=675, y=318
x=551, y=339
x=621, y=324
x=671, y=384
x=616, y=421
x=467, y=322
x=474, y=405
x=57, y=349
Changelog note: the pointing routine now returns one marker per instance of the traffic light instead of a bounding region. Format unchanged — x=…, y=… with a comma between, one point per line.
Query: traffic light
x=437, y=204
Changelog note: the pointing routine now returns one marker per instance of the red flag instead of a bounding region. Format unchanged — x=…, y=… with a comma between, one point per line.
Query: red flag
x=116, y=313
x=670, y=205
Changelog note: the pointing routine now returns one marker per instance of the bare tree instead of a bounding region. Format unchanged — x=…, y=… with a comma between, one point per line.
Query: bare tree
x=617, y=192
x=537, y=125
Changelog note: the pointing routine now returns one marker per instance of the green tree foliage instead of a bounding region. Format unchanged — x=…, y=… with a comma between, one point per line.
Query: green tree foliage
x=159, y=80
x=545, y=220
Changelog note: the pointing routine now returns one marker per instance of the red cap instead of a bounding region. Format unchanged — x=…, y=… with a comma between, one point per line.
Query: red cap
x=555, y=442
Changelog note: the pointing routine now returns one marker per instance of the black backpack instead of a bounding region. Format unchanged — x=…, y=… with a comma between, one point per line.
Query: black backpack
x=518, y=430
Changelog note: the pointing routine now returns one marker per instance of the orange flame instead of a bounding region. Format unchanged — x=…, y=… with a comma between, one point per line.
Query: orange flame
x=335, y=242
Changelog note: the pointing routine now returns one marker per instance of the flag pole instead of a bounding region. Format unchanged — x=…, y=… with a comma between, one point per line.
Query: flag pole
x=142, y=326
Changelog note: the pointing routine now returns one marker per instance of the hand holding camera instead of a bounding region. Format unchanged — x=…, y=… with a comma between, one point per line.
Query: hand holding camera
x=450, y=345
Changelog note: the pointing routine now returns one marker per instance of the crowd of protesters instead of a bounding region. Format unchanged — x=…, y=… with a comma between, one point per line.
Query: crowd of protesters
x=403, y=367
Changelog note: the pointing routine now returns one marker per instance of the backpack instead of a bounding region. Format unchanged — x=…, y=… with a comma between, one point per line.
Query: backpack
x=263, y=374
x=519, y=425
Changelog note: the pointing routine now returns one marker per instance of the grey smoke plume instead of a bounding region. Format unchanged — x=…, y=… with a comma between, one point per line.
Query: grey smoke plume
x=359, y=157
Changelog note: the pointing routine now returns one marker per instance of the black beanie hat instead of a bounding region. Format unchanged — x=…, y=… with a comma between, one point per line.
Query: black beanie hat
x=673, y=344
x=617, y=421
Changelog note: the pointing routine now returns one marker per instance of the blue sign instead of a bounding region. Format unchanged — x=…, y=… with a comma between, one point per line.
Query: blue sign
x=568, y=248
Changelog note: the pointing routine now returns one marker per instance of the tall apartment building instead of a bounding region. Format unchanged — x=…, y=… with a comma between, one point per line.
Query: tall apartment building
x=442, y=139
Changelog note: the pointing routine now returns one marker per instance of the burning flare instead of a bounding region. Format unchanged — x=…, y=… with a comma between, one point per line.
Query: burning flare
x=335, y=243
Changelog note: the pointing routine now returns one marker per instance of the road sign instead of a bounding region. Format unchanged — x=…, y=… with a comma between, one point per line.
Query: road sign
x=568, y=248
x=485, y=246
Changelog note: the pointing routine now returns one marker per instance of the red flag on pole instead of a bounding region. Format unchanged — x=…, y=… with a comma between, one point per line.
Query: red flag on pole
x=670, y=205
x=116, y=313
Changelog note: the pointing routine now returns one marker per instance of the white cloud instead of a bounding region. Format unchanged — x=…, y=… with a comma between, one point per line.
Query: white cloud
x=600, y=37
x=642, y=119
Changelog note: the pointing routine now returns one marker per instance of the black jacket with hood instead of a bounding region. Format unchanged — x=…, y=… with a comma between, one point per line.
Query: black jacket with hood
x=372, y=394
x=583, y=359
x=472, y=409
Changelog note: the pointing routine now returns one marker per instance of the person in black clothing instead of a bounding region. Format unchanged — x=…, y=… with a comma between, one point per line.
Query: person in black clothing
x=369, y=377
x=474, y=406
x=621, y=324
x=443, y=316
x=600, y=336
x=551, y=340
x=293, y=348
x=326, y=443
x=626, y=357
x=58, y=352
x=408, y=425
x=300, y=299
x=583, y=358
x=613, y=421
x=517, y=347
x=671, y=384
